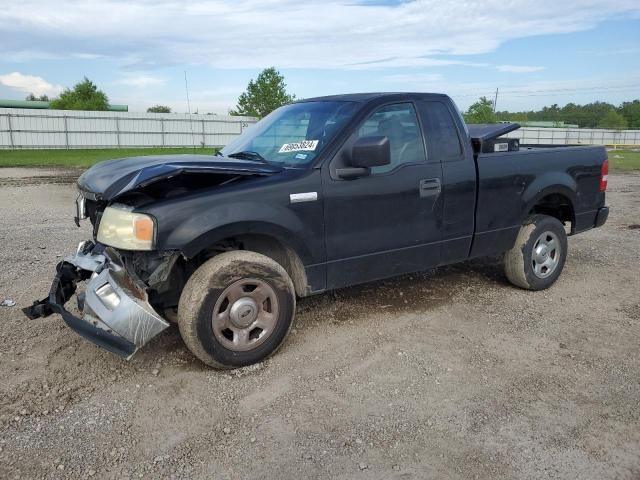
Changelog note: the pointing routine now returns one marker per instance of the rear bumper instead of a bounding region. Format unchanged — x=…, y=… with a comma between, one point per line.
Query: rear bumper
x=591, y=219
x=601, y=217
x=116, y=314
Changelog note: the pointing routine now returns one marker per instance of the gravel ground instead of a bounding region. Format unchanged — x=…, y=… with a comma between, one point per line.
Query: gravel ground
x=447, y=374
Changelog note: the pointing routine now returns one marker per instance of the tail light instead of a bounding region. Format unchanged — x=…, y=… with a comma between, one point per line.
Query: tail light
x=604, y=175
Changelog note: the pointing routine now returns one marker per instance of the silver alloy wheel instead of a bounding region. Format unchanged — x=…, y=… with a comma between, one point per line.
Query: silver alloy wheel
x=245, y=314
x=545, y=255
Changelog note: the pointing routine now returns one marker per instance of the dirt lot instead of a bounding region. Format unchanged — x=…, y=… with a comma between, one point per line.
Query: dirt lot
x=450, y=374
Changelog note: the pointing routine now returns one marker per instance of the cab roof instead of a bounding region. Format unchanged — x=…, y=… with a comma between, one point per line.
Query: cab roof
x=366, y=97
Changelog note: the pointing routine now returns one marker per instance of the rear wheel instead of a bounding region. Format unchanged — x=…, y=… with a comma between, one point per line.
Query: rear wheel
x=538, y=256
x=236, y=309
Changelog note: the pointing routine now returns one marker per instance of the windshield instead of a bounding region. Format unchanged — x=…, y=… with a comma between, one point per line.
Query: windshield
x=292, y=135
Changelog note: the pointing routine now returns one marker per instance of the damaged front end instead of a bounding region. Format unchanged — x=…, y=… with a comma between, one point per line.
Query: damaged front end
x=128, y=278
x=115, y=310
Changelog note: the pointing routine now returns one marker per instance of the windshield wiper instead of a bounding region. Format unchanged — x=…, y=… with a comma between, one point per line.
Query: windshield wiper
x=248, y=155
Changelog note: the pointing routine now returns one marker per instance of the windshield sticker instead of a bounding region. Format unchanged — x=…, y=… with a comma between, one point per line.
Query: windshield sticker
x=301, y=156
x=307, y=145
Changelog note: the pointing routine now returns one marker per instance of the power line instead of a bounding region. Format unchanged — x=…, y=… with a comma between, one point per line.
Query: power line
x=604, y=87
x=542, y=92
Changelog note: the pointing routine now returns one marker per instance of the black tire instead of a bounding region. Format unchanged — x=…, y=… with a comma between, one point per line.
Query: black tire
x=525, y=262
x=201, y=296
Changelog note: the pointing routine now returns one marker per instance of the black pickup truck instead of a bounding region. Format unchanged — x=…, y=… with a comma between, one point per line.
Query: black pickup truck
x=321, y=194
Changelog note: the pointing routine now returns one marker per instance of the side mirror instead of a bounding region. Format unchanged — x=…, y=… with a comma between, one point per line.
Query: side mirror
x=367, y=152
x=370, y=152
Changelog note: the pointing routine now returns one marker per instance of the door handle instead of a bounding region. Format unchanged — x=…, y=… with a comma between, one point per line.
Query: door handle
x=430, y=187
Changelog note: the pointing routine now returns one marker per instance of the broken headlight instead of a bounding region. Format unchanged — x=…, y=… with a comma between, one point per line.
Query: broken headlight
x=121, y=228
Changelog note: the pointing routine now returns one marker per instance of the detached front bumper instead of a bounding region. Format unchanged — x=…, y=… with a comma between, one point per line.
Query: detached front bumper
x=116, y=314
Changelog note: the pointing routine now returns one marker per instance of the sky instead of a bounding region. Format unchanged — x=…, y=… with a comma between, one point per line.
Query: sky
x=137, y=51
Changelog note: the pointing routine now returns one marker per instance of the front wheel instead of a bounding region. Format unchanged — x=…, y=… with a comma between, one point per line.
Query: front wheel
x=537, y=258
x=236, y=309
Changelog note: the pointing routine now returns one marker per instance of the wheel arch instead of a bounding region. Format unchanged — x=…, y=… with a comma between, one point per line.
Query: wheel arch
x=271, y=240
x=557, y=201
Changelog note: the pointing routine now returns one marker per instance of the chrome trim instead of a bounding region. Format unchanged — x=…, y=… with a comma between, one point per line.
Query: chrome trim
x=132, y=317
x=87, y=194
x=303, y=197
x=91, y=263
x=81, y=207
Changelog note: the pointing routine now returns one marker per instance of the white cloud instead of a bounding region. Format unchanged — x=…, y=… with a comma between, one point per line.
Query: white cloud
x=518, y=68
x=30, y=84
x=87, y=56
x=422, y=78
x=141, y=80
x=290, y=33
x=27, y=55
x=396, y=62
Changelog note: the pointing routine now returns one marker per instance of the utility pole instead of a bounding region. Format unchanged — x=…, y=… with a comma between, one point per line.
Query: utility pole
x=186, y=87
x=495, y=101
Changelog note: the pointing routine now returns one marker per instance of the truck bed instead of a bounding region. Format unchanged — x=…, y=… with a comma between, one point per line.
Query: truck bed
x=508, y=182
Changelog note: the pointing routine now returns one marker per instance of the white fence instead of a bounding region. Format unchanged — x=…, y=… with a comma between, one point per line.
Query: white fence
x=25, y=128
x=574, y=136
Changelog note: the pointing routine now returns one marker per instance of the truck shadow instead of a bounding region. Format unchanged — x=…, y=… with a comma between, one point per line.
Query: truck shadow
x=406, y=293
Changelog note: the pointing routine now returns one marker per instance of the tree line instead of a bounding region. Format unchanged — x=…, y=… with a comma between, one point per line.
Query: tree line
x=269, y=91
x=591, y=115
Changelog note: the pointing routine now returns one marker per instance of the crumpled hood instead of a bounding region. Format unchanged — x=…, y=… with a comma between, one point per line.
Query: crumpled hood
x=112, y=178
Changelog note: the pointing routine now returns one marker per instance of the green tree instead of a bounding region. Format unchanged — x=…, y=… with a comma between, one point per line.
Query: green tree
x=263, y=95
x=522, y=118
x=586, y=116
x=159, y=109
x=613, y=120
x=84, y=96
x=631, y=112
x=32, y=98
x=481, y=112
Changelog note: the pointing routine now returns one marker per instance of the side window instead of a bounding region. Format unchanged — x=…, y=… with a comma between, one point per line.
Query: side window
x=443, y=140
x=399, y=124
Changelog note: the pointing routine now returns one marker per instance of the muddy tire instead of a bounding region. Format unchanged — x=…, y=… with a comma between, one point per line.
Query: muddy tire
x=236, y=309
x=537, y=258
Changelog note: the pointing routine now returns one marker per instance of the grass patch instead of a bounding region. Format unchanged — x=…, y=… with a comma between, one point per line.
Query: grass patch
x=84, y=158
x=620, y=160
x=624, y=160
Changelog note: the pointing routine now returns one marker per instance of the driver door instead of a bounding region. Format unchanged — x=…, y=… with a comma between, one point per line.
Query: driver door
x=389, y=222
